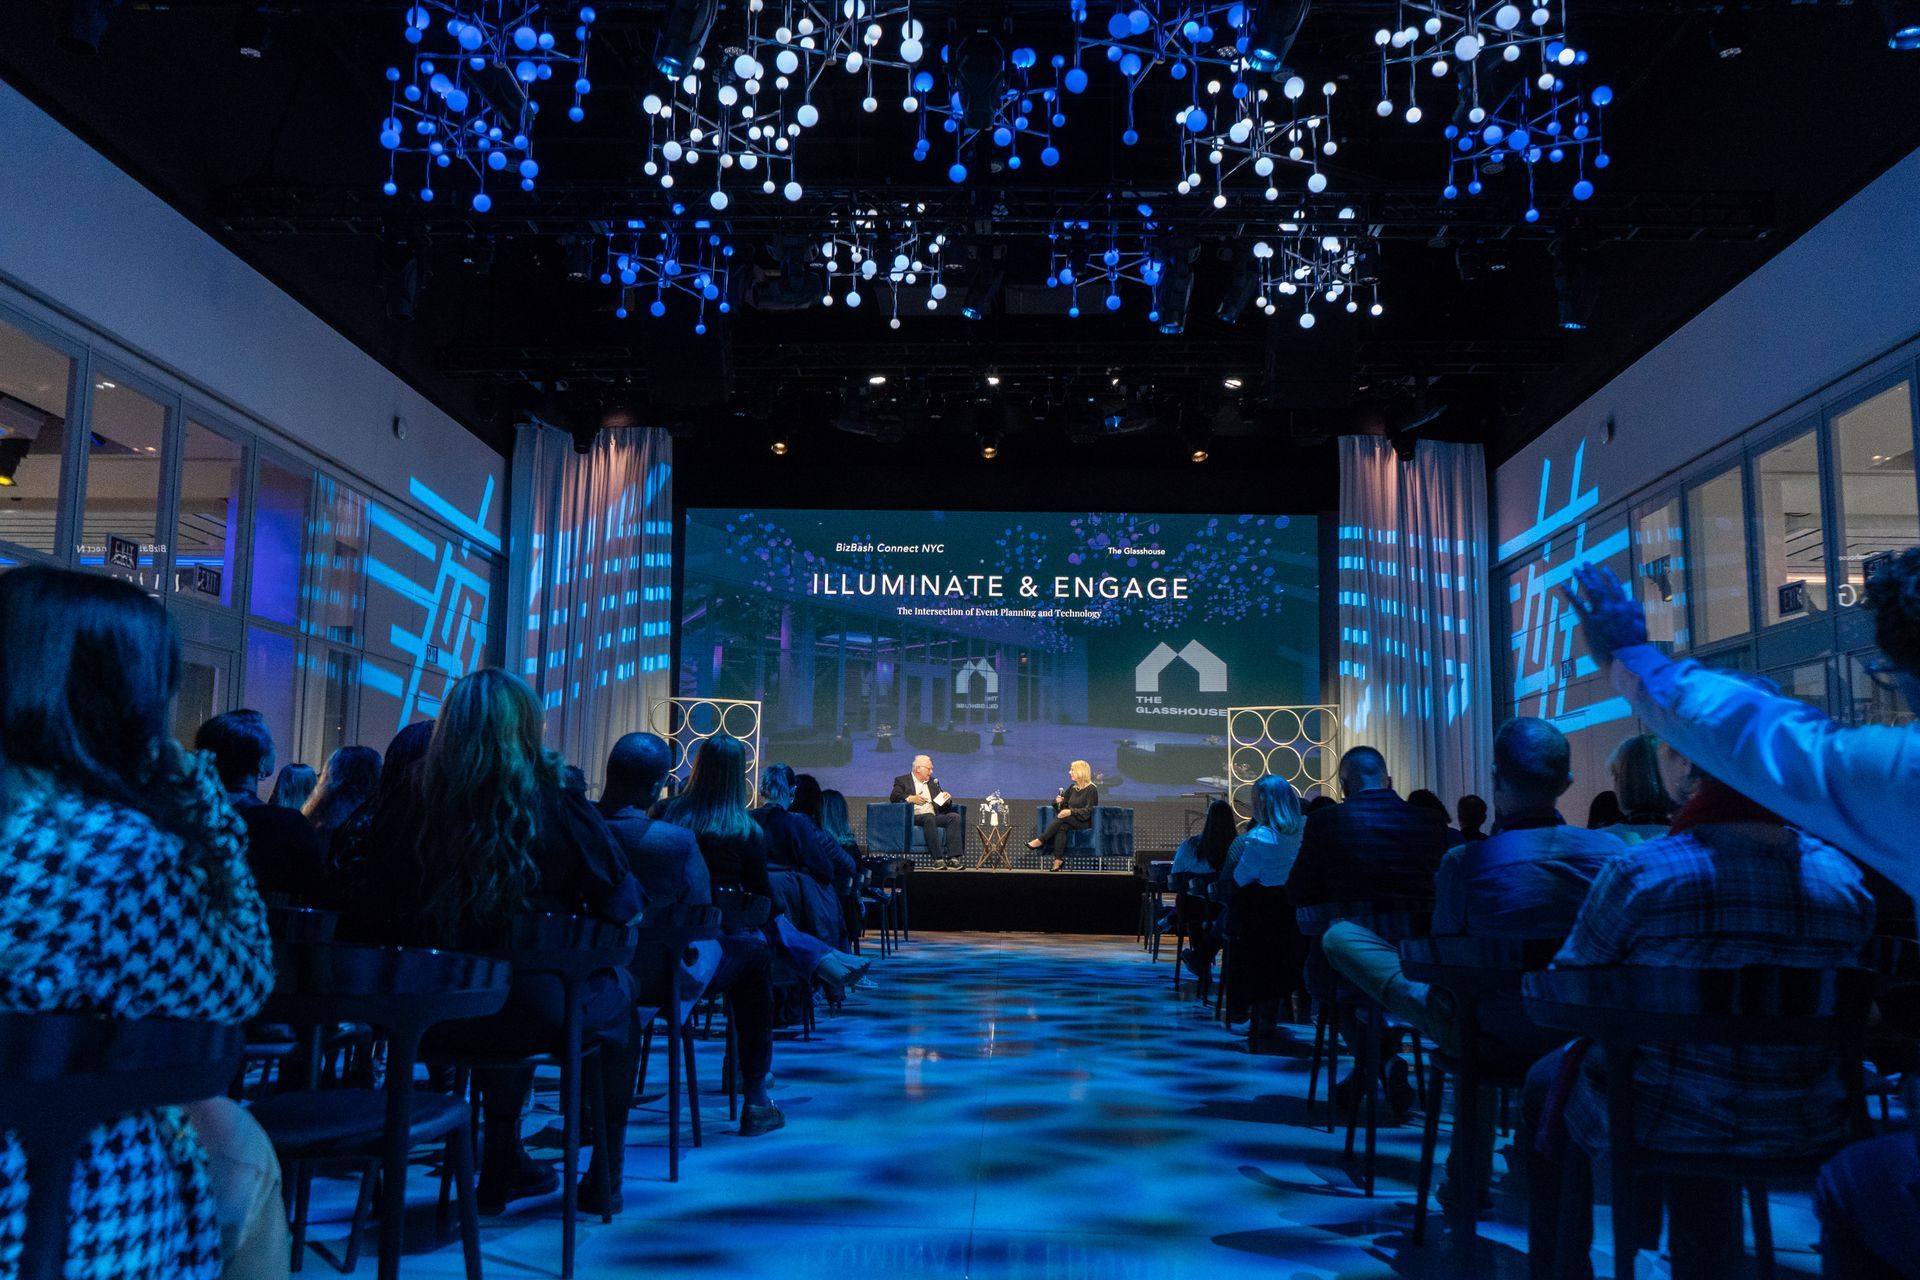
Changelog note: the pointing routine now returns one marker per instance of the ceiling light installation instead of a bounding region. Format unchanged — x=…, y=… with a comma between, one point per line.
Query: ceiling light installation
x=683, y=35
x=1901, y=18
x=468, y=105
x=1330, y=266
x=1102, y=264
x=866, y=250
x=995, y=96
x=648, y=266
x=1511, y=67
x=1224, y=54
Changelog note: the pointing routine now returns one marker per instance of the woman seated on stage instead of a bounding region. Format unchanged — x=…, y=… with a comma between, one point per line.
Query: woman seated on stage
x=1072, y=811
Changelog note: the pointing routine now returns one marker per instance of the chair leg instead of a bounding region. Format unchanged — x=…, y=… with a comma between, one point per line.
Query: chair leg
x=733, y=1067
x=460, y=1156
x=673, y=1112
x=302, y=1183
x=1429, y=1145
x=362, y=1207
x=1762, y=1229
x=603, y=1136
x=570, y=1160
x=693, y=1084
x=1419, y=1064
x=646, y=1048
x=1375, y=1061
x=1313, y=1062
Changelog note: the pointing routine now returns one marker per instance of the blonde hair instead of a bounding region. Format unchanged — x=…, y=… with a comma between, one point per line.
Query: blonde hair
x=1276, y=805
x=1081, y=772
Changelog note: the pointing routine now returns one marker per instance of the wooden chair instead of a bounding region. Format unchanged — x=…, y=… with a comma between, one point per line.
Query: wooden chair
x=664, y=937
x=1626, y=1007
x=64, y=1074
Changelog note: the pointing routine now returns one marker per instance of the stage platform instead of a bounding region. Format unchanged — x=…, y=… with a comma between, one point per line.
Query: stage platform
x=1025, y=901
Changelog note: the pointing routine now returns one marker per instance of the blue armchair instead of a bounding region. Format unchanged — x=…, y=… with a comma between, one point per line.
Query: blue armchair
x=891, y=831
x=1109, y=840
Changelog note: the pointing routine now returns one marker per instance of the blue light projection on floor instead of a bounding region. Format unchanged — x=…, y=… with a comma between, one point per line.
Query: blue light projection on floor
x=1006, y=1106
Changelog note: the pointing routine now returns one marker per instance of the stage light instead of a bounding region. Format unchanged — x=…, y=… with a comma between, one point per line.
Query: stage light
x=683, y=35
x=979, y=76
x=252, y=33
x=985, y=277
x=989, y=447
x=1569, y=311
x=1232, y=384
x=1200, y=454
x=1902, y=21
x=1727, y=32
x=1171, y=295
x=1276, y=25
x=877, y=380
x=779, y=447
x=1242, y=287
x=13, y=450
x=993, y=379
x=86, y=25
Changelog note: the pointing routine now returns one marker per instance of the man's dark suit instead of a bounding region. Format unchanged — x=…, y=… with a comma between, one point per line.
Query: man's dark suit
x=941, y=818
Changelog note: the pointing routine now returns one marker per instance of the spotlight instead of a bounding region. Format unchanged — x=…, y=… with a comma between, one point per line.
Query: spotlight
x=406, y=270
x=86, y=25
x=877, y=380
x=1232, y=384
x=1199, y=453
x=985, y=276
x=252, y=33
x=683, y=35
x=13, y=450
x=1242, y=286
x=1727, y=32
x=1902, y=20
x=989, y=447
x=1170, y=297
x=780, y=447
x=1569, y=312
x=979, y=76
x=1276, y=25
x=579, y=256
x=1469, y=260
x=993, y=379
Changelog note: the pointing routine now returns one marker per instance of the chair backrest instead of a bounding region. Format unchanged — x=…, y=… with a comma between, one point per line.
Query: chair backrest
x=63, y=1073
x=1474, y=966
x=301, y=924
x=569, y=947
x=1159, y=875
x=400, y=991
x=740, y=910
x=1392, y=920
x=1756, y=1005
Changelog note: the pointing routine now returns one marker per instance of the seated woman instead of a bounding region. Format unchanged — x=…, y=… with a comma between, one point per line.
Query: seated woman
x=838, y=824
x=1072, y=811
x=1266, y=951
x=1197, y=866
x=494, y=834
x=350, y=778
x=124, y=890
x=293, y=786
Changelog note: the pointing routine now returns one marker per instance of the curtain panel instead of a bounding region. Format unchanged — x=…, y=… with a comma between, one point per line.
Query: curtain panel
x=1414, y=666
x=591, y=591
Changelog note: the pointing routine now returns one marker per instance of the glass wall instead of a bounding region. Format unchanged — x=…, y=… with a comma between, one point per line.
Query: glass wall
x=1717, y=536
x=120, y=514
x=1793, y=530
x=36, y=388
x=1873, y=443
x=213, y=471
x=1659, y=551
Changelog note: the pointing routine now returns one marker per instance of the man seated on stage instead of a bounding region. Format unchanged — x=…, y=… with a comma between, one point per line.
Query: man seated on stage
x=933, y=811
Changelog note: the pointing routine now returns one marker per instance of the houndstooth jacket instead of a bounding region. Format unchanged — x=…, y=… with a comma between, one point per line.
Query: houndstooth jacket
x=101, y=909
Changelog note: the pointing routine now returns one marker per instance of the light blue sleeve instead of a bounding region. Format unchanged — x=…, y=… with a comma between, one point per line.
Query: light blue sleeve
x=1857, y=788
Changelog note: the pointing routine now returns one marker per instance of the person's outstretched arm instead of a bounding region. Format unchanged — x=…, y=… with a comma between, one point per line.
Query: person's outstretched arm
x=1857, y=788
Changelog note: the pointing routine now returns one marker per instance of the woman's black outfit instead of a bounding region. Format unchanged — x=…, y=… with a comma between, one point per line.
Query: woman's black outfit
x=581, y=872
x=1072, y=811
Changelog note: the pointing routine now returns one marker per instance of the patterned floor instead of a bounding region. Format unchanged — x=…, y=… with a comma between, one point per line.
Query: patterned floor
x=1010, y=1105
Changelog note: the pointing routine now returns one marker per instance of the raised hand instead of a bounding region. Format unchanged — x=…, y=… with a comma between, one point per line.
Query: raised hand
x=1610, y=618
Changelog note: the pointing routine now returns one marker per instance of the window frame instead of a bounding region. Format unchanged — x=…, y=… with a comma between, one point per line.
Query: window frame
x=67, y=498
x=197, y=413
x=1806, y=424
x=167, y=501
x=1709, y=471
x=1833, y=410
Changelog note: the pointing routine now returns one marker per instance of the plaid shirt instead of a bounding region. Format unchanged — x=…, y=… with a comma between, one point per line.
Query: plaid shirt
x=1721, y=896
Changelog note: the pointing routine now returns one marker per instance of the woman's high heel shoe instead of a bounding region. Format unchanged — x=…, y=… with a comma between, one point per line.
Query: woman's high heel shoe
x=1058, y=864
x=1033, y=844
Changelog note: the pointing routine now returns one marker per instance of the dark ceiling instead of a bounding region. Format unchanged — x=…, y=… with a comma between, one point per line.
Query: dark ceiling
x=1717, y=162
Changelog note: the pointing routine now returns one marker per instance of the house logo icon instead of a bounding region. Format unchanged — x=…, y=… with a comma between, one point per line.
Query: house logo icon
x=963, y=677
x=1211, y=670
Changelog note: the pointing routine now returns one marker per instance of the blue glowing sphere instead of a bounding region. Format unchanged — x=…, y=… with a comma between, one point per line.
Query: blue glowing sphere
x=1206, y=33
x=1013, y=162
x=656, y=308
x=1020, y=123
x=1154, y=315
x=1196, y=121
x=1003, y=137
x=1146, y=210
x=710, y=291
x=424, y=128
x=525, y=38
x=576, y=114
x=1113, y=53
x=426, y=193
x=1236, y=15
x=457, y=99
x=1130, y=137
x=1602, y=96
x=958, y=173
x=526, y=71
x=952, y=125
x=1602, y=160
x=1557, y=155
x=496, y=160
x=920, y=149
x=546, y=39
x=526, y=184
x=923, y=82
x=1581, y=131
x=413, y=35
x=583, y=86
x=1553, y=128
x=529, y=168
x=700, y=327
x=1058, y=120
x=411, y=93
x=1050, y=157
x=1138, y=21
x=586, y=13
x=1583, y=190
x=471, y=36
x=389, y=188
x=1113, y=302
x=1073, y=312
x=389, y=139
x=725, y=307
x=620, y=313
x=1111, y=257
x=1024, y=57
x=1053, y=282
x=1475, y=187
x=1533, y=215
x=605, y=278
x=482, y=202
x=520, y=142
x=1240, y=89
x=1058, y=61
x=1118, y=27
x=1450, y=191
x=1518, y=139
x=629, y=276
x=393, y=75
x=1130, y=64
x=1076, y=81
x=1178, y=70
x=1066, y=275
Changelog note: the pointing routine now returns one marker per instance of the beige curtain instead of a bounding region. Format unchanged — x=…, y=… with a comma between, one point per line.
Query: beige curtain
x=591, y=593
x=1414, y=658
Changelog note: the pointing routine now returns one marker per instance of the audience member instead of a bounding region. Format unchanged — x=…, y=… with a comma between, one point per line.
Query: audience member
x=1315, y=805
x=807, y=795
x=1425, y=799
x=293, y=786
x=282, y=847
x=495, y=834
x=1524, y=883
x=1204, y=853
x=573, y=780
x=1472, y=811
x=1645, y=808
x=124, y=890
x=366, y=839
x=1265, y=852
x=350, y=779
x=1731, y=885
x=837, y=822
x=1851, y=785
x=823, y=870
x=1868, y=1201
x=1265, y=950
x=1370, y=859
x=1197, y=867
x=1604, y=811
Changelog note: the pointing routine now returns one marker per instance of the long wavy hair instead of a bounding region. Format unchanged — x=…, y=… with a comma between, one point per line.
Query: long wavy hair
x=480, y=792
x=294, y=787
x=349, y=779
x=1276, y=805
x=715, y=801
x=833, y=816
x=1216, y=836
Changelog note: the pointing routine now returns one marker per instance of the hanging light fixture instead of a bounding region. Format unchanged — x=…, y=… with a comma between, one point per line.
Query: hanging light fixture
x=649, y=266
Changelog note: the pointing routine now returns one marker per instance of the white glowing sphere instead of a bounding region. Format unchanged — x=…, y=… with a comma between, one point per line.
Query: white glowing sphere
x=666, y=180
x=1286, y=287
x=873, y=35
x=869, y=269
x=1213, y=86
x=938, y=290
x=1330, y=243
x=869, y=104
x=696, y=135
x=1273, y=193
x=1413, y=115
x=911, y=50
x=651, y=104
x=1546, y=80
x=1306, y=319
x=767, y=186
x=1507, y=17
x=1296, y=153
x=1329, y=88
x=1375, y=309
x=1220, y=201
x=805, y=26
x=728, y=95
x=808, y=115
x=853, y=297
x=1477, y=115
x=1185, y=187
x=1431, y=26
x=1542, y=16
x=909, y=104
x=1511, y=53
x=1317, y=183
x=1439, y=68
x=855, y=61
x=749, y=162
x=783, y=35
x=690, y=84
x=672, y=151
x=1294, y=87
x=726, y=160
x=1352, y=306
x=780, y=145
x=1567, y=57
x=718, y=199
x=893, y=322
x=826, y=299
x=1241, y=131
x=1263, y=167
x=1399, y=39
x=1467, y=48
x=651, y=169
x=1215, y=156
x=793, y=191
x=1384, y=109
x=1382, y=36
x=787, y=61
x=745, y=67
x=1329, y=147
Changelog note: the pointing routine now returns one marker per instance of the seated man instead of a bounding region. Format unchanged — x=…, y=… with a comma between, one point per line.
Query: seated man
x=1731, y=885
x=665, y=859
x=933, y=811
x=1370, y=859
x=1524, y=883
x=283, y=850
